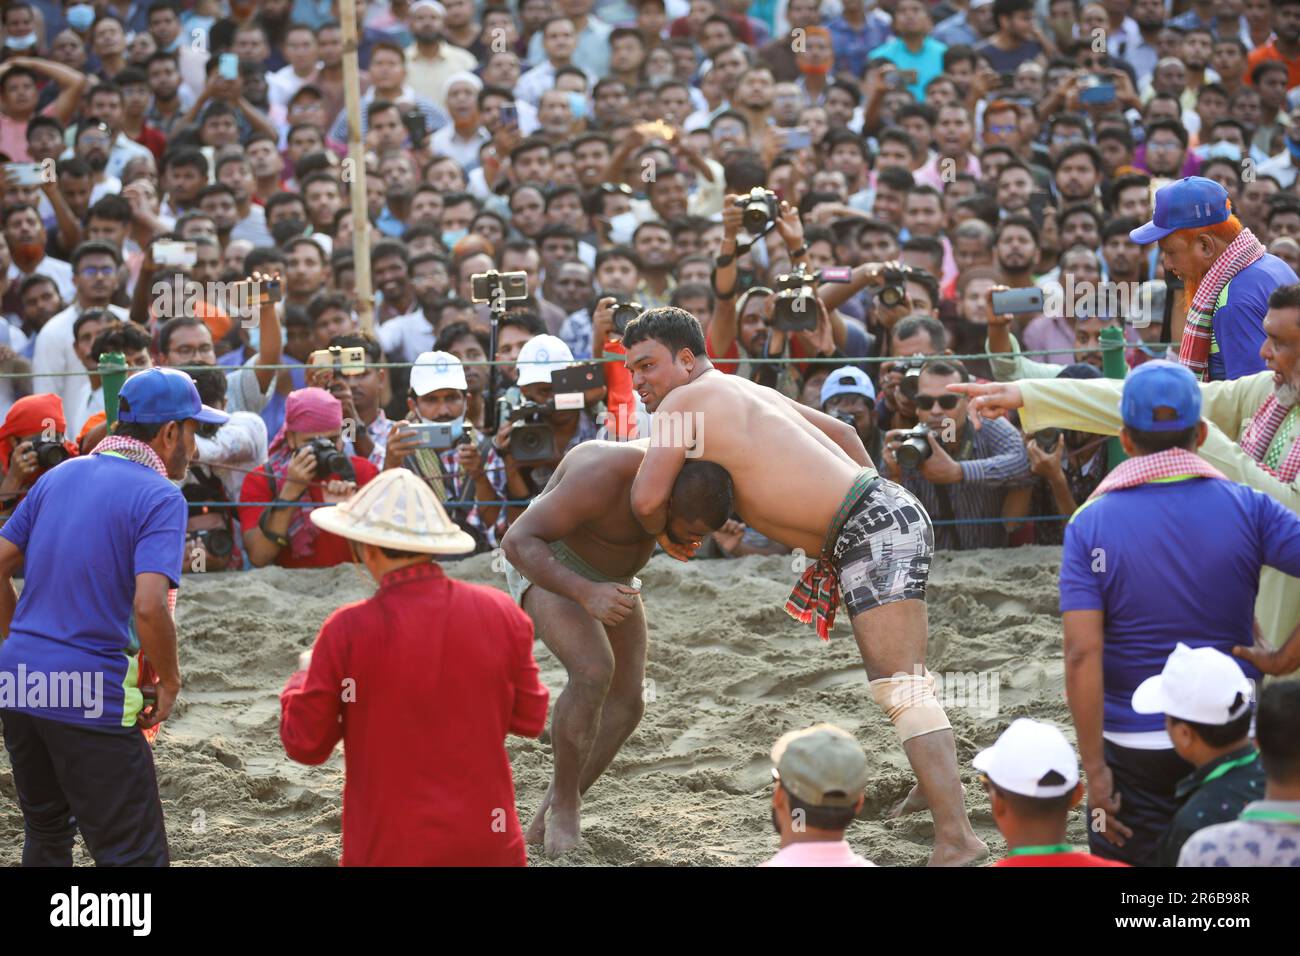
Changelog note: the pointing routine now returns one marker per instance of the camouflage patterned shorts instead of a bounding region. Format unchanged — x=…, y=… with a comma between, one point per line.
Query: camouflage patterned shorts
x=884, y=549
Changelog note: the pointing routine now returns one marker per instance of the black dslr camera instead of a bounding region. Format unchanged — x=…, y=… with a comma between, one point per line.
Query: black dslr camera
x=330, y=461
x=796, y=303
x=625, y=312
x=910, y=369
x=49, y=452
x=760, y=210
x=533, y=439
x=915, y=449
x=893, y=293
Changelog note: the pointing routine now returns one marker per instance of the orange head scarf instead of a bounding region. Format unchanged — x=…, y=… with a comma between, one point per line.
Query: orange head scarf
x=32, y=415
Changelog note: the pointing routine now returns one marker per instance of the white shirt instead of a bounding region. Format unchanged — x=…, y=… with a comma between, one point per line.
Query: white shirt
x=405, y=336
x=1281, y=167
x=283, y=84
x=13, y=337
x=538, y=80
x=445, y=142
x=240, y=443
x=56, y=269
x=55, y=352
x=79, y=411
x=253, y=227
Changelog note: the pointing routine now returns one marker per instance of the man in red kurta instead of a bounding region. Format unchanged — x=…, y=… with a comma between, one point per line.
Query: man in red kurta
x=422, y=682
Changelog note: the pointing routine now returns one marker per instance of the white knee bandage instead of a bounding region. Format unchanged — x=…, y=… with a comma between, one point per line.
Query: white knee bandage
x=909, y=702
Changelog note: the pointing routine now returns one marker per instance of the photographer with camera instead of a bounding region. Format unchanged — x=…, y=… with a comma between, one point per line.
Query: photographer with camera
x=1068, y=466
x=536, y=435
x=306, y=462
x=915, y=338
x=210, y=540
x=625, y=417
x=451, y=459
x=957, y=471
x=847, y=394
x=32, y=441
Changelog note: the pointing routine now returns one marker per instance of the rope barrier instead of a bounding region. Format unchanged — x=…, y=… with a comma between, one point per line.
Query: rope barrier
x=768, y=360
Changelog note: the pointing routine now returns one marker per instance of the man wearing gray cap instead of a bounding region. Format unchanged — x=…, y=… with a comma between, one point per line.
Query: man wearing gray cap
x=821, y=778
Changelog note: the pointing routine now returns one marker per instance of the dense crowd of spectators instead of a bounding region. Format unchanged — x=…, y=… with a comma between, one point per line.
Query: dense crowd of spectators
x=614, y=152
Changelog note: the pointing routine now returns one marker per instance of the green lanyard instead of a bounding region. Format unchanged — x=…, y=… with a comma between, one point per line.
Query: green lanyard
x=1041, y=850
x=1273, y=816
x=1220, y=770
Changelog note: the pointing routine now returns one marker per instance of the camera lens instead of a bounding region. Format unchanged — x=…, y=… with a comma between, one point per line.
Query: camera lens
x=50, y=454
x=220, y=542
x=527, y=442
x=891, y=296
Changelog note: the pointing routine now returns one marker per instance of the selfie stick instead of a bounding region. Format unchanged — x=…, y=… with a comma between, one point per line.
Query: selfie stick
x=496, y=309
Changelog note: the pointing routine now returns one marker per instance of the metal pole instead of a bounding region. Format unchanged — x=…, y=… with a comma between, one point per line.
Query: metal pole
x=112, y=372
x=357, y=159
x=1113, y=366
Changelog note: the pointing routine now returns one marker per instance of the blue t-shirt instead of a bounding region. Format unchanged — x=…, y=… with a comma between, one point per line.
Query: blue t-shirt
x=86, y=529
x=1171, y=561
x=928, y=63
x=1239, y=324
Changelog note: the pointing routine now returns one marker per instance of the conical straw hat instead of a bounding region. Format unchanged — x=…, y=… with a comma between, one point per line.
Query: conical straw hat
x=396, y=510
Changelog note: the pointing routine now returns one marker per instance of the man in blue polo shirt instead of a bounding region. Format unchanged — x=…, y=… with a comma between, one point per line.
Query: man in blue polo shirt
x=103, y=539
x=1166, y=550
x=1228, y=276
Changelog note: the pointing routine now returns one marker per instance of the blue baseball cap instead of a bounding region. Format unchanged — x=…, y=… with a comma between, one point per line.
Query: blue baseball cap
x=1190, y=203
x=1160, y=385
x=164, y=395
x=848, y=381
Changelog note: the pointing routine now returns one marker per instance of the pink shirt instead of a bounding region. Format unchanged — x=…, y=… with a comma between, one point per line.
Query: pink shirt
x=13, y=136
x=824, y=853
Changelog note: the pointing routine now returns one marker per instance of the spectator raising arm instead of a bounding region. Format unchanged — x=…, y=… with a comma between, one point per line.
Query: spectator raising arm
x=71, y=83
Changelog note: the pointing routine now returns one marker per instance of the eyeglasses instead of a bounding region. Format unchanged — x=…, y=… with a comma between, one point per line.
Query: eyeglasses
x=615, y=189
x=91, y=272
x=1002, y=128
x=190, y=351
x=1162, y=147
x=946, y=402
x=1061, y=139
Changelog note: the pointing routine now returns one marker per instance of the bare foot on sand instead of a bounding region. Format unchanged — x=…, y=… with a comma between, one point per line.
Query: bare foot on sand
x=914, y=802
x=563, y=829
x=536, y=832
x=971, y=851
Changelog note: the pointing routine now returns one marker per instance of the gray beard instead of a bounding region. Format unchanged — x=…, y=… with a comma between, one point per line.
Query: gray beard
x=1287, y=395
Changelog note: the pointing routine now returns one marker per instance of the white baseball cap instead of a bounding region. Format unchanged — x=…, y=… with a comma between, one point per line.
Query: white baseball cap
x=437, y=370
x=848, y=381
x=540, y=356
x=1031, y=758
x=1200, y=684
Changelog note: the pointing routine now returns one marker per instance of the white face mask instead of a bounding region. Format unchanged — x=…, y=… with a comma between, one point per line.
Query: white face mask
x=21, y=43
x=621, y=227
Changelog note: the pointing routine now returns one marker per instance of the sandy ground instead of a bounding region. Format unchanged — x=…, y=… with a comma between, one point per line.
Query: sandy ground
x=730, y=673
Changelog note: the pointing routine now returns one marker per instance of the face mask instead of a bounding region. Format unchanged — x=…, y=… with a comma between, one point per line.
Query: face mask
x=21, y=43
x=1222, y=150
x=449, y=239
x=622, y=226
x=80, y=16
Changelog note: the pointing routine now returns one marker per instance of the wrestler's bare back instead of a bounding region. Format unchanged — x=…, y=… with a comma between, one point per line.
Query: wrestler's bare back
x=611, y=541
x=789, y=477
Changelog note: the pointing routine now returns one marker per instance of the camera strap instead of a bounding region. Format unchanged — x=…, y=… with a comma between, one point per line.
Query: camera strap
x=946, y=514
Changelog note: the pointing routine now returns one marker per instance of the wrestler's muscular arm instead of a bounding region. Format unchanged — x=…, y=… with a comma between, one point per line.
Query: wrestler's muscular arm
x=653, y=486
x=552, y=516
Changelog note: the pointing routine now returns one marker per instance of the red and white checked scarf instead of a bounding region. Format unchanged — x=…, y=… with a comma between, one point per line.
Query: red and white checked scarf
x=1194, y=350
x=137, y=451
x=1258, y=436
x=1174, y=463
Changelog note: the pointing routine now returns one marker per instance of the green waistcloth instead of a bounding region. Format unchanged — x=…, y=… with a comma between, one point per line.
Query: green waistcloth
x=571, y=560
x=866, y=478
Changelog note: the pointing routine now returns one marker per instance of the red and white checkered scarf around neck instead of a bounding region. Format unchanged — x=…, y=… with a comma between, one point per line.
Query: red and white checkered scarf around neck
x=1174, y=463
x=1194, y=350
x=1259, y=434
x=139, y=452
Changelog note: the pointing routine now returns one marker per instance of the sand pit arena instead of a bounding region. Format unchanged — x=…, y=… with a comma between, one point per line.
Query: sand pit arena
x=728, y=672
